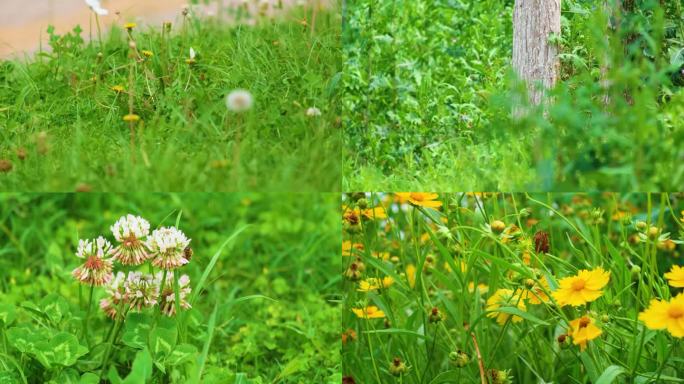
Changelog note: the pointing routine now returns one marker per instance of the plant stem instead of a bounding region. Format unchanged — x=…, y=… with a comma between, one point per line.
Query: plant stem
x=87, y=318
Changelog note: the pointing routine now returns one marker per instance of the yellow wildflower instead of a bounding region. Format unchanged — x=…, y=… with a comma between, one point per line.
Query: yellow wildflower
x=582, y=288
x=370, y=312
x=676, y=276
x=662, y=314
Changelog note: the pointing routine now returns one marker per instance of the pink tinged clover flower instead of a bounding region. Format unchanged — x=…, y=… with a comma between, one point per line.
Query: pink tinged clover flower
x=130, y=231
x=141, y=290
x=115, y=290
x=167, y=300
x=97, y=268
x=167, y=245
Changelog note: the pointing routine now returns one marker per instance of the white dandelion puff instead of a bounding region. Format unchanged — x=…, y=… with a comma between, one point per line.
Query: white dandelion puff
x=97, y=7
x=313, y=112
x=239, y=100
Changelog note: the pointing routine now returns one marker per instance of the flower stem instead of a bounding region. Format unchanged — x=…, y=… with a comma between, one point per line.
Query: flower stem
x=87, y=318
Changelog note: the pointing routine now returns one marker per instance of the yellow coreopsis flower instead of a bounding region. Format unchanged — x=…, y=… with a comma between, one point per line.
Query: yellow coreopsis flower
x=662, y=314
x=583, y=330
x=504, y=298
x=422, y=199
x=348, y=247
x=582, y=288
x=373, y=284
x=482, y=288
x=676, y=276
x=370, y=312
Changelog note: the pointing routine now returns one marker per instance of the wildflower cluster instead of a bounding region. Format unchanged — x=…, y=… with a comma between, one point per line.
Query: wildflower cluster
x=424, y=266
x=166, y=248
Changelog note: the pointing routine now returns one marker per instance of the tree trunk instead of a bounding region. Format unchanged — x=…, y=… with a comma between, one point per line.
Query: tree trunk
x=535, y=58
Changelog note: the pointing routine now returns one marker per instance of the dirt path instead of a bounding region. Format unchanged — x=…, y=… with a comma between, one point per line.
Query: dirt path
x=23, y=22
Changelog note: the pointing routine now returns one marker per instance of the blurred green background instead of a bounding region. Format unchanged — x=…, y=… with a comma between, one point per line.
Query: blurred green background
x=289, y=252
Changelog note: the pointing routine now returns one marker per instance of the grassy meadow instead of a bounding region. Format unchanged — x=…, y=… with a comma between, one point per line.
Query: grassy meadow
x=145, y=108
x=430, y=94
x=498, y=288
x=262, y=274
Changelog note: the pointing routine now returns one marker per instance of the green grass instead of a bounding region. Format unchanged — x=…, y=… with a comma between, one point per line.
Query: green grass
x=458, y=245
x=429, y=92
x=59, y=112
x=263, y=276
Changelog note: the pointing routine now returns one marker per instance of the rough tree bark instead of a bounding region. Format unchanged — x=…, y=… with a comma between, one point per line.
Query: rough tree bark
x=535, y=58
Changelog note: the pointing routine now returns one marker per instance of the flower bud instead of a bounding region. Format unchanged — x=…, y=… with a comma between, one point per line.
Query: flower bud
x=397, y=367
x=459, y=358
x=635, y=272
x=362, y=203
x=497, y=226
x=435, y=316
x=500, y=377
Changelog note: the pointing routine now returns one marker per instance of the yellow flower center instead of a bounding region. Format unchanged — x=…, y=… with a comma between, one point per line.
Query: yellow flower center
x=578, y=285
x=675, y=312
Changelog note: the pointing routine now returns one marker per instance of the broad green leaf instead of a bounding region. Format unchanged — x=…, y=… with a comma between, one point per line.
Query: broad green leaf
x=137, y=330
x=181, y=354
x=65, y=349
x=162, y=342
x=141, y=371
x=55, y=307
x=610, y=374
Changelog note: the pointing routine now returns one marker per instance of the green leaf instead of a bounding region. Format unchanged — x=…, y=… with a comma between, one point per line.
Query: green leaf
x=65, y=349
x=610, y=374
x=7, y=314
x=182, y=354
x=162, y=341
x=89, y=378
x=141, y=371
x=137, y=330
x=55, y=307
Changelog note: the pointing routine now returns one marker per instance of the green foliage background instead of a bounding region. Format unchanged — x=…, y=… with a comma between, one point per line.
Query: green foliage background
x=288, y=253
x=429, y=94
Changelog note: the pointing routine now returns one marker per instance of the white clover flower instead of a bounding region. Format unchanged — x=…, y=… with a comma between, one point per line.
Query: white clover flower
x=313, y=112
x=167, y=245
x=97, y=7
x=239, y=100
x=97, y=268
x=130, y=231
x=167, y=299
x=141, y=290
x=115, y=289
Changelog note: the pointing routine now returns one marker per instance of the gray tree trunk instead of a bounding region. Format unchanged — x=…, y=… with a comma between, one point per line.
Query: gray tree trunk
x=535, y=59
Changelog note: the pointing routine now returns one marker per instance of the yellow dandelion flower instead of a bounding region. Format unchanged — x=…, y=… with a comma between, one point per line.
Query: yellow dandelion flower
x=662, y=314
x=118, y=88
x=130, y=26
x=370, y=312
x=676, y=276
x=422, y=199
x=582, y=330
x=147, y=53
x=132, y=118
x=504, y=298
x=582, y=288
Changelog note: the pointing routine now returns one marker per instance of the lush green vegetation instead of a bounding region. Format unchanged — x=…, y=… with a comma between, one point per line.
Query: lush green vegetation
x=262, y=274
x=429, y=94
x=62, y=112
x=489, y=288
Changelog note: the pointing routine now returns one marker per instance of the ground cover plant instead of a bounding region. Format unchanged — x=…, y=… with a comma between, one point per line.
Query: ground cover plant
x=431, y=102
x=240, y=100
x=169, y=288
x=512, y=288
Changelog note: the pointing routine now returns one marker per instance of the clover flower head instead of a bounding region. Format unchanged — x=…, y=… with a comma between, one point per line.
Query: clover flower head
x=130, y=232
x=239, y=100
x=97, y=268
x=167, y=246
x=167, y=299
x=141, y=290
x=115, y=289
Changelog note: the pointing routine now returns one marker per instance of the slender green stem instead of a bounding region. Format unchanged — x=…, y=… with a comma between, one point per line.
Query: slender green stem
x=87, y=317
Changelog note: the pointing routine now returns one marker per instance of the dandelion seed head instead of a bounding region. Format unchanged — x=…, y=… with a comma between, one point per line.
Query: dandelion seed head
x=239, y=100
x=313, y=112
x=96, y=7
